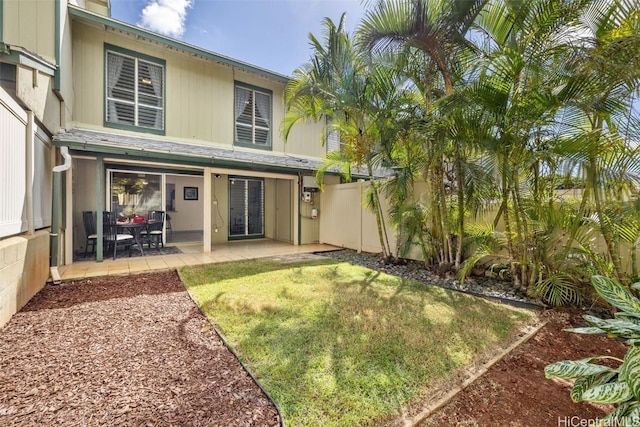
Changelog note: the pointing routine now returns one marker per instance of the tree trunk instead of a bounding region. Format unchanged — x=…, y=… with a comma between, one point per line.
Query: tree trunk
x=605, y=228
x=461, y=208
x=386, y=252
x=507, y=223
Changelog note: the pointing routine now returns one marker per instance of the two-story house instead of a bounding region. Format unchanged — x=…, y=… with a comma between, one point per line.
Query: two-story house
x=125, y=120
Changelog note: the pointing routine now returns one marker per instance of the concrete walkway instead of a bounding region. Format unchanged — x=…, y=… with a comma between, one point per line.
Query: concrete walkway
x=191, y=255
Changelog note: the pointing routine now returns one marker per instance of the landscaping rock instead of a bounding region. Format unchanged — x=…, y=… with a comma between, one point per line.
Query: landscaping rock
x=415, y=270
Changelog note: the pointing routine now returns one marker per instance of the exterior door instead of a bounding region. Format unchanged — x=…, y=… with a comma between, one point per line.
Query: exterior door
x=134, y=193
x=246, y=207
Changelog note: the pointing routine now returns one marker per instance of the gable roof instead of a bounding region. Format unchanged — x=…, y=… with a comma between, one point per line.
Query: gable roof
x=84, y=15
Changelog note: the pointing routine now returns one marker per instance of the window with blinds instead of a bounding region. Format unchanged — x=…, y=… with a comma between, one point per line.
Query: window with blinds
x=134, y=92
x=333, y=141
x=252, y=113
x=246, y=207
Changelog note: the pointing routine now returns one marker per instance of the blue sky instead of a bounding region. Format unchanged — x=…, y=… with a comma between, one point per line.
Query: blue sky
x=271, y=34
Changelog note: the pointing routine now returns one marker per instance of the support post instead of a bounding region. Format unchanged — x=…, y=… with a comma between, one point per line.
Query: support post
x=208, y=200
x=100, y=195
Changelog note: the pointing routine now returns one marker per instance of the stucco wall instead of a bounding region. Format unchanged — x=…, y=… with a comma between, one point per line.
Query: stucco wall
x=24, y=270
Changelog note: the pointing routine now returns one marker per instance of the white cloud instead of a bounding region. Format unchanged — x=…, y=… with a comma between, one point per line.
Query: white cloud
x=166, y=17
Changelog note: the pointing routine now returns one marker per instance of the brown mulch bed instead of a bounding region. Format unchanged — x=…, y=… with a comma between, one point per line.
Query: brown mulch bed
x=514, y=392
x=135, y=350
x=122, y=351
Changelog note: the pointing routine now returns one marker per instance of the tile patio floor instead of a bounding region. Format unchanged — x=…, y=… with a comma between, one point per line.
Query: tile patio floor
x=192, y=255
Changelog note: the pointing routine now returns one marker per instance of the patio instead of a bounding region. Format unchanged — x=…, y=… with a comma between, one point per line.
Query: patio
x=191, y=255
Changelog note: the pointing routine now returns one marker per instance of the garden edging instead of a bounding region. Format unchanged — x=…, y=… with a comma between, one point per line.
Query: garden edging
x=529, y=332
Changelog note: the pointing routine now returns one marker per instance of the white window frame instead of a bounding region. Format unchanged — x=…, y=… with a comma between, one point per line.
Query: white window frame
x=253, y=126
x=136, y=103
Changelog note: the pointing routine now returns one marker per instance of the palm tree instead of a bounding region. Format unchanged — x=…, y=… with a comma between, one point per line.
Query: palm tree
x=546, y=99
x=523, y=44
x=438, y=29
x=360, y=99
x=603, y=73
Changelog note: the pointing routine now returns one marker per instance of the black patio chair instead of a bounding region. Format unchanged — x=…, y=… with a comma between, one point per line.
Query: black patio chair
x=153, y=234
x=111, y=236
x=89, y=222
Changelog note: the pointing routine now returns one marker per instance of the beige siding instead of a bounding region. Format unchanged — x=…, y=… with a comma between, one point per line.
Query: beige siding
x=219, y=209
x=88, y=77
x=195, y=93
x=96, y=6
x=84, y=197
x=306, y=139
x=199, y=93
x=31, y=25
x=66, y=77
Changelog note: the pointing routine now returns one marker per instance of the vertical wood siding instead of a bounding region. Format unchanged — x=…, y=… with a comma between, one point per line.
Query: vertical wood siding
x=13, y=122
x=199, y=94
x=42, y=179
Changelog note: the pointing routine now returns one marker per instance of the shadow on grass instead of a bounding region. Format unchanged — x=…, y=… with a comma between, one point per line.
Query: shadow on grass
x=364, y=349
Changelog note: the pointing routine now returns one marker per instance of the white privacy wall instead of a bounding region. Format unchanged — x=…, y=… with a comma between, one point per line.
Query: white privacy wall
x=25, y=206
x=25, y=171
x=13, y=166
x=42, y=178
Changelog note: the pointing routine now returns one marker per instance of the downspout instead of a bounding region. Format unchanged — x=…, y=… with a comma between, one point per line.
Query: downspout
x=56, y=204
x=55, y=211
x=298, y=204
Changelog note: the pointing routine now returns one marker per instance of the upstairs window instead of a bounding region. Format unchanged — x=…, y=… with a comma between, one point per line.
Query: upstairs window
x=333, y=141
x=252, y=116
x=134, y=91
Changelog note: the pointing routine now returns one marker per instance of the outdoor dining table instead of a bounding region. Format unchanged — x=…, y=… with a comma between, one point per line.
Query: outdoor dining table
x=134, y=228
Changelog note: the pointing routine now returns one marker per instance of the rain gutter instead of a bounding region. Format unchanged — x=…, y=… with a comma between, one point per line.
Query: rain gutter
x=56, y=208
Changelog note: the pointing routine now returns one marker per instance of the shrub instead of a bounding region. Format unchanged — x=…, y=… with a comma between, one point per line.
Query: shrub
x=596, y=382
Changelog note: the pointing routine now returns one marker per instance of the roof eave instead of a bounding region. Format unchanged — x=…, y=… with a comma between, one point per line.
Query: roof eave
x=176, y=158
x=78, y=12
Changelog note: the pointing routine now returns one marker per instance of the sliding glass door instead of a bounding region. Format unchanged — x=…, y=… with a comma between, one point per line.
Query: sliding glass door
x=135, y=193
x=246, y=207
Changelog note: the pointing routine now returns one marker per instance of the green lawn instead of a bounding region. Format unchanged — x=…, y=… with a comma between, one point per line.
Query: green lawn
x=341, y=345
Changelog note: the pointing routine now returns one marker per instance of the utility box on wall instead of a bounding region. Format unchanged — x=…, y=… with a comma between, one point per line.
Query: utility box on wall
x=309, y=184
